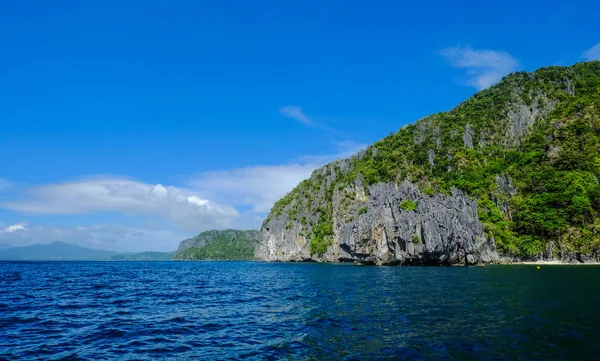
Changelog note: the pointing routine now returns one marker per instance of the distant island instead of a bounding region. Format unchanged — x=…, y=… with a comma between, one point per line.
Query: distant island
x=62, y=251
x=55, y=251
x=219, y=245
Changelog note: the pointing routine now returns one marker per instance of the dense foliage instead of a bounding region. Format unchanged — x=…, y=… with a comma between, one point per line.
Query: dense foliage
x=223, y=245
x=535, y=184
x=409, y=205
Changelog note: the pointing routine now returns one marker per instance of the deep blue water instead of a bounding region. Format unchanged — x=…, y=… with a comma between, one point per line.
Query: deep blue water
x=248, y=310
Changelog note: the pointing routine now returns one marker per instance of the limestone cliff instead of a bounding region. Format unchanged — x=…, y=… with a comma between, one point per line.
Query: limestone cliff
x=378, y=230
x=512, y=171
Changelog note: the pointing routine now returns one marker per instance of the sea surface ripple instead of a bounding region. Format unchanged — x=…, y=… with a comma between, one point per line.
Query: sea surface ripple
x=266, y=311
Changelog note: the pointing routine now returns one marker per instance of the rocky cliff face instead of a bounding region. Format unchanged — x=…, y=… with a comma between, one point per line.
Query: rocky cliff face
x=393, y=225
x=460, y=187
x=385, y=229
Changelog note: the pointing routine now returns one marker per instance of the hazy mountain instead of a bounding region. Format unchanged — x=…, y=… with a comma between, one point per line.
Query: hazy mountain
x=56, y=251
x=4, y=246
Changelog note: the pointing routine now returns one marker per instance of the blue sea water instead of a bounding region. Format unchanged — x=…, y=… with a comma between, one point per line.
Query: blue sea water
x=265, y=311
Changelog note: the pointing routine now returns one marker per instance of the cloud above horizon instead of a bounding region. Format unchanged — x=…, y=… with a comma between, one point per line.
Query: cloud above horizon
x=13, y=228
x=483, y=67
x=592, y=53
x=184, y=207
x=234, y=198
x=259, y=187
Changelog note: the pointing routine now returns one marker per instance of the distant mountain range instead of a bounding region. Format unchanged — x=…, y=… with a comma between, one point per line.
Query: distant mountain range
x=210, y=245
x=61, y=251
x=54, y=251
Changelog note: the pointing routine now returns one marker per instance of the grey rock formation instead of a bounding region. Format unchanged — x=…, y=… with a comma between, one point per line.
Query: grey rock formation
x=442, y=230
x=468, y=136
x=437, y=137
x=431, y=157
x=506, y=186
x=483, y=138
x=521, y=119
x=521, y=116
x=191, y=242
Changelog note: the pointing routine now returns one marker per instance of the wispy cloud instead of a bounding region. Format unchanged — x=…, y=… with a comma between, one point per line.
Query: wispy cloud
x=294, y=112
x=259, y=187
x=592, y=53
x=297, y=113
x=184, y=207
x=484, y=67
x=5, y=185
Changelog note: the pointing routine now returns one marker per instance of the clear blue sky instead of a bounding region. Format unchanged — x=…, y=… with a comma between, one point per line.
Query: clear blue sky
x=231, y=102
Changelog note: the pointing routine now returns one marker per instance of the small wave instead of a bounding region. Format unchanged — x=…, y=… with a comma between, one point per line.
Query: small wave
x=212, y=327
x=120, y=301
x=177, y=320
x=71, y=357
x=109, y=333
x=10, y=276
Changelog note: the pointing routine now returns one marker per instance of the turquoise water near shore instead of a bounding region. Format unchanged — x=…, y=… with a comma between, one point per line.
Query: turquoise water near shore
x=252, y=310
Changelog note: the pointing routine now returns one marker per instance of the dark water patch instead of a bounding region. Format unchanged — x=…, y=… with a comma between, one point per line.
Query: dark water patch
x=10, y=276
x=177, y=320
x=247, y=310
x=71, y=357
x=104, y=335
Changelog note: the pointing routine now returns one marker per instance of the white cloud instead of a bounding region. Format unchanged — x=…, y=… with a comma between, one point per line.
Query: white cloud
x=209, y=202
x=259, y=187
x=592, y=53
x=296, y=113
x=107, y=237
x=183, y=207
x=13, y=228
x=484, y=67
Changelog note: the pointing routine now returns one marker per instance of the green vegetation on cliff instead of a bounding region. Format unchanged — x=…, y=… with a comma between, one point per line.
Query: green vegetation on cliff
x=219, y=245
x=527, y=148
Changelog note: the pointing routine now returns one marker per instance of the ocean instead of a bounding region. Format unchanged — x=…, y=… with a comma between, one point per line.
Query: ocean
x=296, y=311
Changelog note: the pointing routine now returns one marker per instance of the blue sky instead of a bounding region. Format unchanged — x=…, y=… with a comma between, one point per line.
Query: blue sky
x=130, y=125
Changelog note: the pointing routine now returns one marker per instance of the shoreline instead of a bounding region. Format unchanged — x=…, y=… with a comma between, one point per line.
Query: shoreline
x=546, y=263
